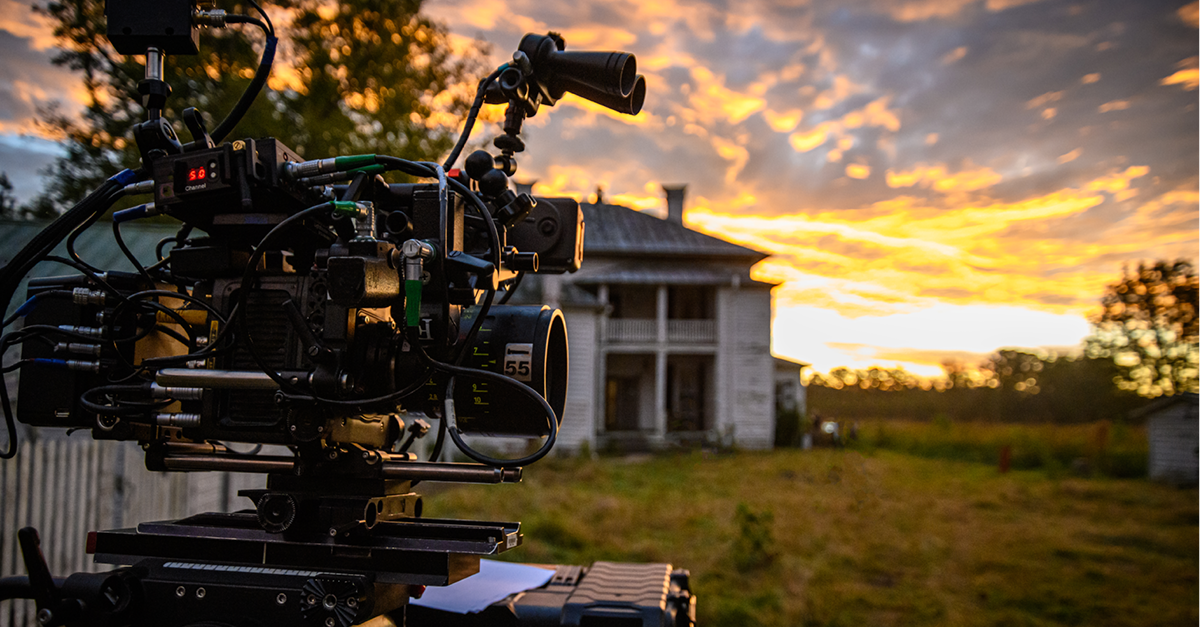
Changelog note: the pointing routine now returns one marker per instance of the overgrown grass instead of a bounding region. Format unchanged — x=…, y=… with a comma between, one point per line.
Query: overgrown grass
x=1115, y=450
x=833, y=537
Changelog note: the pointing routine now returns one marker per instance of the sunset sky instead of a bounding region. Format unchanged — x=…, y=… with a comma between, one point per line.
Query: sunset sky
x=935, y=179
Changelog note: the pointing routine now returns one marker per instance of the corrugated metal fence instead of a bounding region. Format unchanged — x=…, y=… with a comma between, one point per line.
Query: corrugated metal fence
x=66, y=487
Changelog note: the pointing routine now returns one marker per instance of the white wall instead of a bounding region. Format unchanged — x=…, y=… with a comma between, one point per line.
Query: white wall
x=745, y=368
x=581, y=411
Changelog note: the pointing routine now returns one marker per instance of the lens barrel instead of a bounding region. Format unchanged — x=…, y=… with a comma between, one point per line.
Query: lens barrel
x=527, y=343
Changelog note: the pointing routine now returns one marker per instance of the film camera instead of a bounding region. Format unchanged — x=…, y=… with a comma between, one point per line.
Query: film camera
x=313, y=305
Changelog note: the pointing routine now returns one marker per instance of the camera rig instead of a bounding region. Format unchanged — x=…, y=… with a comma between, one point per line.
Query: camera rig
x=313, y=305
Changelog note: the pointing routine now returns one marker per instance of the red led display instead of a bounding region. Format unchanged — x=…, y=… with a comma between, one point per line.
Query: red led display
x=197, y=174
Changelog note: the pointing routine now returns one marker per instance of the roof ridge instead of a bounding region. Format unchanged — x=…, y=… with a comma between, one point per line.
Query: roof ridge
x=617, y=228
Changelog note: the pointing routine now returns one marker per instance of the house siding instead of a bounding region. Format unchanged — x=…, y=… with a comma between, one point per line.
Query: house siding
x=579, y=416
x=746, y=368
x=1173, y=437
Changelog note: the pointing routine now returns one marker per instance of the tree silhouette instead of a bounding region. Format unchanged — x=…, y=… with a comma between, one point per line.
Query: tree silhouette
x=1148, y=327
x=8, y=203
x=352, y=77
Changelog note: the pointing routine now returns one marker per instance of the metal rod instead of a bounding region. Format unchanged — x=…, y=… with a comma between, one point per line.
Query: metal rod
x=230, y=463
x=154, y=64
x=456, y=473
x=219, y=379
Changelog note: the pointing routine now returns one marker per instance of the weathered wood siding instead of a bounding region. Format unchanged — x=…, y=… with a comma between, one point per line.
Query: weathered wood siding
x=580, y=415
x=1174, y=442
x=745, y=370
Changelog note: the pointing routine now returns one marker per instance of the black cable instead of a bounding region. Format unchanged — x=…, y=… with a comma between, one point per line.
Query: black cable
x=108, y=289
x=256, y=84
x=480, y=92
x=9, y=423
x=184, y=297
x=116, y=227
x=130, y=408
x=75, y=236
x=511, y=289
x=24, y=310
x=266, y=18
x=551, y=417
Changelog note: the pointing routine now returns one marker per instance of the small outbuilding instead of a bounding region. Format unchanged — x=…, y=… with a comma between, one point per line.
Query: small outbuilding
x=1173, y=432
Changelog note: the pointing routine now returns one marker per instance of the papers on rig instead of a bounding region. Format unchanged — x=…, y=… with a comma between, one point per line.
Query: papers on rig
x=493, y=582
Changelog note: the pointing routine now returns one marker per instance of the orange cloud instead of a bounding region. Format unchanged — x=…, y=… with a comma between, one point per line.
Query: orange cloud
x=1190, y=14
x=858, y=171
x=1188, y=75
x=711, y=100
x=1115, y=105
x=954, y=55
x=874, y=114
x=921, y=10
x=938, y=178
x=1044, y=99
x=806, y=141
x=1070, y=156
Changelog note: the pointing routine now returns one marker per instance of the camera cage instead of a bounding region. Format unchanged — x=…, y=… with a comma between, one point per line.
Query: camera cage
x=320, y=307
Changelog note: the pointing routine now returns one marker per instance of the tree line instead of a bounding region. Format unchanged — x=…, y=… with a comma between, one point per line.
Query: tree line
x=1144, y=344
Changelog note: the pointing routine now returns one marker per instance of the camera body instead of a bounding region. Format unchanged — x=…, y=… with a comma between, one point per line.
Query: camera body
x=326, y=313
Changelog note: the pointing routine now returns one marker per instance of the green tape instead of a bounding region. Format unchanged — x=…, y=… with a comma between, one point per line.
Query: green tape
x=412, y=302
x=353, y=161
x=345, y=208
x=369, y=169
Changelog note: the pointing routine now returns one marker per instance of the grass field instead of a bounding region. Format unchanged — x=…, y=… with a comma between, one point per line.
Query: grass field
x=1115, y=450
x=843, y=537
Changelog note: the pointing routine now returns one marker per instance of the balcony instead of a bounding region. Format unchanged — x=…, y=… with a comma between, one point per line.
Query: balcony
x=645, y=330
x=692, y=331
x=631, y=330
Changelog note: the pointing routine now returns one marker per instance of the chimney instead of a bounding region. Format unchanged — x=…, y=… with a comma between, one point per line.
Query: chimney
x=525, y=188
x=675, y=202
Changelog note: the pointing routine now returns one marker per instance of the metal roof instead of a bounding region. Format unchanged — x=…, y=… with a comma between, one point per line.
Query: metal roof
x=640, y=273
x=614, y=229
x=95, y=246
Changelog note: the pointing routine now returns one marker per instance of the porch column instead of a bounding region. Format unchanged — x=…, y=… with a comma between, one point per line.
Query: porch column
x=660, y=366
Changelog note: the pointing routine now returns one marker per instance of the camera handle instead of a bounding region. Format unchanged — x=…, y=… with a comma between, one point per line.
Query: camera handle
x=82, y=597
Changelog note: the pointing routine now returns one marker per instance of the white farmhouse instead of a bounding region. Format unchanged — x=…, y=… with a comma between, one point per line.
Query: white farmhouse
x=669, y=336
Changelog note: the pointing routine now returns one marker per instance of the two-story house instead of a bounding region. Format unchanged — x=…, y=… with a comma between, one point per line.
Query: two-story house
x=669, y=336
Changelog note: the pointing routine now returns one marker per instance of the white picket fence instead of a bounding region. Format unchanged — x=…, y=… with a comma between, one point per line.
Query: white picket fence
x=67, y=486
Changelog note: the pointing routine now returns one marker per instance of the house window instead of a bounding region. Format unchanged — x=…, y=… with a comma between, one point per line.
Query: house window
x=633, y=301
x=691, y=302
x=689, y=392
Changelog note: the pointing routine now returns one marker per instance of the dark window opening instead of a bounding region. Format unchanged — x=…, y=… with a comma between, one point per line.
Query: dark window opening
x=689, y=392
x=633, y=301
x=691, y=302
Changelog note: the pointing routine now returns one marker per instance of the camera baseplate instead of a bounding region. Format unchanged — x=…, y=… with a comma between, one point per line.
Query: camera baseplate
x=428, y=552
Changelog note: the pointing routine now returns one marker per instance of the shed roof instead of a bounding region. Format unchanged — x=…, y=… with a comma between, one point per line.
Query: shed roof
x=614, y=229
x=783, y=363
x=1165, y=402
